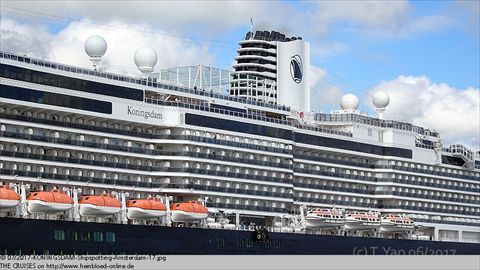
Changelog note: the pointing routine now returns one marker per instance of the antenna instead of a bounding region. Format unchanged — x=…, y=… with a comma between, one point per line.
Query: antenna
x=251, y=28
x=95, y=47
x=145, y=58
x=380, y=100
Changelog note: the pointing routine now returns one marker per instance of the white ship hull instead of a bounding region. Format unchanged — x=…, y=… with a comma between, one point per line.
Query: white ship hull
x=37, y=206
x=94, y=210
x=139, y=213
x=182, y=216
x=8, y=203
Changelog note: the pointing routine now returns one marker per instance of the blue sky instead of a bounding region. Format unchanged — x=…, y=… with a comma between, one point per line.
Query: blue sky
x=426, y=54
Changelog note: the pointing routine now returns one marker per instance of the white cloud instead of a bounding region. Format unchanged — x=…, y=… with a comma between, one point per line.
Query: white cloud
x=23, y=38
x=123, y=39
x=214, y=19
x=388, y=19
x=455, y=113
x=324, y=96
x=209, y=16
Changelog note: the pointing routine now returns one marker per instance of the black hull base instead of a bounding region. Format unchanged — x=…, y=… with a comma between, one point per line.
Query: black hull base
x=28, y=236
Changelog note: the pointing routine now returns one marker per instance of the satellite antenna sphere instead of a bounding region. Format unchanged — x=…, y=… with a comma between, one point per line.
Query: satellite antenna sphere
x=145, y=58
x=380, y=100
x=349, y=102
x=95, y=47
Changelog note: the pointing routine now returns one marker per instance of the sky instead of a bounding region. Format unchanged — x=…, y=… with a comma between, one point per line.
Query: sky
x=425, y=54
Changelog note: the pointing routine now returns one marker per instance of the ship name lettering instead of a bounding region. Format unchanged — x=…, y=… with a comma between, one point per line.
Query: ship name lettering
x=143, y=113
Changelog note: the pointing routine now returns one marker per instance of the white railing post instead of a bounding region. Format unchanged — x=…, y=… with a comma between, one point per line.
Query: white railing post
x=23, y=201
x=123, y=214
x=169, y=213
x=76, y=212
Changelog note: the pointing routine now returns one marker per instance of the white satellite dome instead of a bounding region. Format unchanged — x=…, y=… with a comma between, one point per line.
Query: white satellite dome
x=381, y=99
x=349, y=102
x=145, y=58
x=95, y=46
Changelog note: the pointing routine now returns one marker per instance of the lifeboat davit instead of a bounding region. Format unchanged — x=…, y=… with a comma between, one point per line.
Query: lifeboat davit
x=8, y=197
x=55, y=201
x=145, y=209
x=325, y=218
x=188, y=211
x=396, y=223
x=99, y=205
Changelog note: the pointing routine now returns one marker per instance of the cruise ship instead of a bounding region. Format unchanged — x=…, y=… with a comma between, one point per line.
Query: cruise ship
x=201, y=160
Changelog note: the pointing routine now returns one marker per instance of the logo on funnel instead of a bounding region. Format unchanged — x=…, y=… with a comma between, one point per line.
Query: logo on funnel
x=296, y=68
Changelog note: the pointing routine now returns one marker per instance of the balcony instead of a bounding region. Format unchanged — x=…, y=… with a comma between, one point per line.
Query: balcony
x=141, y=134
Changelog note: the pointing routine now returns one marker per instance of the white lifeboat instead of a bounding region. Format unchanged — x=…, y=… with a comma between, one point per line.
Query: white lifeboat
x=362, y=220
x=325, y=218
x=188, y=211
x=51, y=202
x=145, y=209
x=396, y=223
x=8, y=197
x=99, y=205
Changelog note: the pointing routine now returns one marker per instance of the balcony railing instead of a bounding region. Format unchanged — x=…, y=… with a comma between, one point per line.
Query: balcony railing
x=144, y=167
x=432, y=172
x=146, y=135
x=143, y=184
x=332, y=188
x=335, y=174
x=430, y=197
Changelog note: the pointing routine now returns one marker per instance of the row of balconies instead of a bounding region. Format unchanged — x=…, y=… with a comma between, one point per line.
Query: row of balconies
x=429, y=197
x=447, y=185
x=337, y=203
x=426, y=192
x=321, y=172
x=437, y=171
x=148, y=149
x=237, y=173
x=138, y=164
x=333, y=160
x=443, y=221
x=220, y=139
x=416, y=180
x=249, y=207
x=438, y=210
x=333, y=188
x=286, y=194
x=249, y=191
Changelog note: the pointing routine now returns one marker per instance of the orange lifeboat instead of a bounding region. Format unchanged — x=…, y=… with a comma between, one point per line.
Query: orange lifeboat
x=54, y=201
x=188, y=211
x=8, y=197
x=145, y=209
x=99, y=205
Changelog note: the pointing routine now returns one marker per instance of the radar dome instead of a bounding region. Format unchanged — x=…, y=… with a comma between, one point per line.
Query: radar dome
x=145, y=58
x=95, y=46
x=381, y=99
x=349, y=102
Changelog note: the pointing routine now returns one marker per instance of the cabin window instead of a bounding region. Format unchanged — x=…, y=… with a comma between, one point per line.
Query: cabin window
x=59, y=235
x=98, y=236
x=110, y=237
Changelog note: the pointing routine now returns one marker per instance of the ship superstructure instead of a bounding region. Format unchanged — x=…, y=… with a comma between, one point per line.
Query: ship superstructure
x=254, y=160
